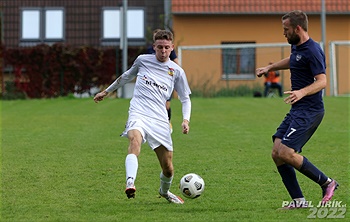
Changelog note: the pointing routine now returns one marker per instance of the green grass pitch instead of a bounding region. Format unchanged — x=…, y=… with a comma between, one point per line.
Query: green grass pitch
x=63, y=160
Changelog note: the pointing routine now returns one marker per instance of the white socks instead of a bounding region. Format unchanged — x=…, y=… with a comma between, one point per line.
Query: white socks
x=329, y=180
x=301, y=199
x=165, y=183
x=131, y=166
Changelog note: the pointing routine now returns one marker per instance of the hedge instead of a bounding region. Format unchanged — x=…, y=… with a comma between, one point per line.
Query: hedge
x=45, y=71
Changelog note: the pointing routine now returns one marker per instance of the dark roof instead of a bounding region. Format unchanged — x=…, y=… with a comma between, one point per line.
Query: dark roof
x=258, y=6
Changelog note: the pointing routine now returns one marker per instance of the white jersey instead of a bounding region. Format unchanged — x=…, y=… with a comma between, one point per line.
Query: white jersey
x=155, y=82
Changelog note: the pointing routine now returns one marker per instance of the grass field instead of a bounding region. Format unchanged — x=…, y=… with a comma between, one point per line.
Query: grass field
x=63, y=160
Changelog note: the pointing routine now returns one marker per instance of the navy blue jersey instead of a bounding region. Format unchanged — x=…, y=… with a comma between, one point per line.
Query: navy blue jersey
x=172, y=55
x=306, y=61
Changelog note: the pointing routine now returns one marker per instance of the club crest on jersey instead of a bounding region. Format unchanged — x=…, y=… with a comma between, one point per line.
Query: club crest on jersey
x=171, y=71
x=298, y=57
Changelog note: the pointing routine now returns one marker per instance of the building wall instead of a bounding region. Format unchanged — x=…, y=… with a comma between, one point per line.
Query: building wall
x=212, y=30
x=83, y=18
x=82, y=27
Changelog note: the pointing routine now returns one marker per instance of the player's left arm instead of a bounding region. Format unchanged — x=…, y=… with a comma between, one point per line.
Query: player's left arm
x=186, y=113
x=185, y=126
x=296, y=95
x=184, y=91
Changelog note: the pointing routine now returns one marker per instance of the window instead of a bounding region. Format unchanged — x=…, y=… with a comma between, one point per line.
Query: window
x=42, y=24
x=238, y=60
x=31, y=24
x=112, y=25
x=54, y=24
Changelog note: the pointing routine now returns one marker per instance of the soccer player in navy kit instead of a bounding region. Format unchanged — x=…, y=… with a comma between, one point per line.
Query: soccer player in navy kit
x=307, y=66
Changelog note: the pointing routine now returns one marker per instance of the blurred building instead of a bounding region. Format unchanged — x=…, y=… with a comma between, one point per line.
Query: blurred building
x=214, y=22
x=90, y=25
x=194, y=23
x=78, y=22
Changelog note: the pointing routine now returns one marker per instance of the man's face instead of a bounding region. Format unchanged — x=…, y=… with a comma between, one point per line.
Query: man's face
x=290, y=33
x=163, y=49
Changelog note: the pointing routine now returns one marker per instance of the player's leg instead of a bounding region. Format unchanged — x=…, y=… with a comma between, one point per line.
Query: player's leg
x=165, y=160
x=166, y=176
x=287, y=174
x=131, y=161
x=286, y=171
x=304, y=166
x=295, y=138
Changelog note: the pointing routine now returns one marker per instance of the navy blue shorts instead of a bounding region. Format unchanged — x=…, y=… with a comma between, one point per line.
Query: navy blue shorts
x=297, y=128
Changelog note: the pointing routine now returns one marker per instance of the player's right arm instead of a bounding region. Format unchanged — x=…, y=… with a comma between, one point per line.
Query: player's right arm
x=126, y=77
x=99, y=96
x=119, y=82
x=282, y=64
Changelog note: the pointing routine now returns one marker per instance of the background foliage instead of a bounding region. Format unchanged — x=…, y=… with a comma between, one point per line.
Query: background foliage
x=45, y=71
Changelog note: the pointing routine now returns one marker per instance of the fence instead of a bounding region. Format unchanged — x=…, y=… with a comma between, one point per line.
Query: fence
x=211, y=68
x=339, y=57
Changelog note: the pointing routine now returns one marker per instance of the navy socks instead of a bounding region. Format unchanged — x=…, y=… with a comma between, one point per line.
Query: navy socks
x=311, y=171
x=290, y=181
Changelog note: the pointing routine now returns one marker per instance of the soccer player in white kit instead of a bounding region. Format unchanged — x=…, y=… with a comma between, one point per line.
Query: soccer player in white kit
x=156, y=78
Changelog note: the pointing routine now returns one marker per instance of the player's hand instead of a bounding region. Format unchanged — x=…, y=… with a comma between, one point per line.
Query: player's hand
x=294, y=96
x=100, y=96
x=261, y=71
x=185, y=127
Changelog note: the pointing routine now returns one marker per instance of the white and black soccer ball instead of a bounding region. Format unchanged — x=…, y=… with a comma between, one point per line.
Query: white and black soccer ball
x=191, y=185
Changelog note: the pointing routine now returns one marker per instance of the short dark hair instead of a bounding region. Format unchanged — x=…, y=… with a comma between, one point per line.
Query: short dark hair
x=163, y=34
x=155, y=31
x=296, y=18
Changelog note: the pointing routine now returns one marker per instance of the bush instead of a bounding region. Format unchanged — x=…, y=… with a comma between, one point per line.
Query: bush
x=11, y=92
x=60, y=70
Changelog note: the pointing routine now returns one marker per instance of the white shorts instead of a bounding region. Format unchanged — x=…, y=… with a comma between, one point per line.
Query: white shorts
x=153, y=131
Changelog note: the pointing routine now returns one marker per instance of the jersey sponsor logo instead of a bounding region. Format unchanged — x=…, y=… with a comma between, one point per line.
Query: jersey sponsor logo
x=151, y=83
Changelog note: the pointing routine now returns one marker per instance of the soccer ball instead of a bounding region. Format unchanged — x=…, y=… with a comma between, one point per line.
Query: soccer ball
x=191, y=185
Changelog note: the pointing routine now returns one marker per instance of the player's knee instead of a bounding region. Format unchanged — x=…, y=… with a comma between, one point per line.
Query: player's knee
x=285, y=156
x=135, y=142
x=134, y=146
x=274, y=155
